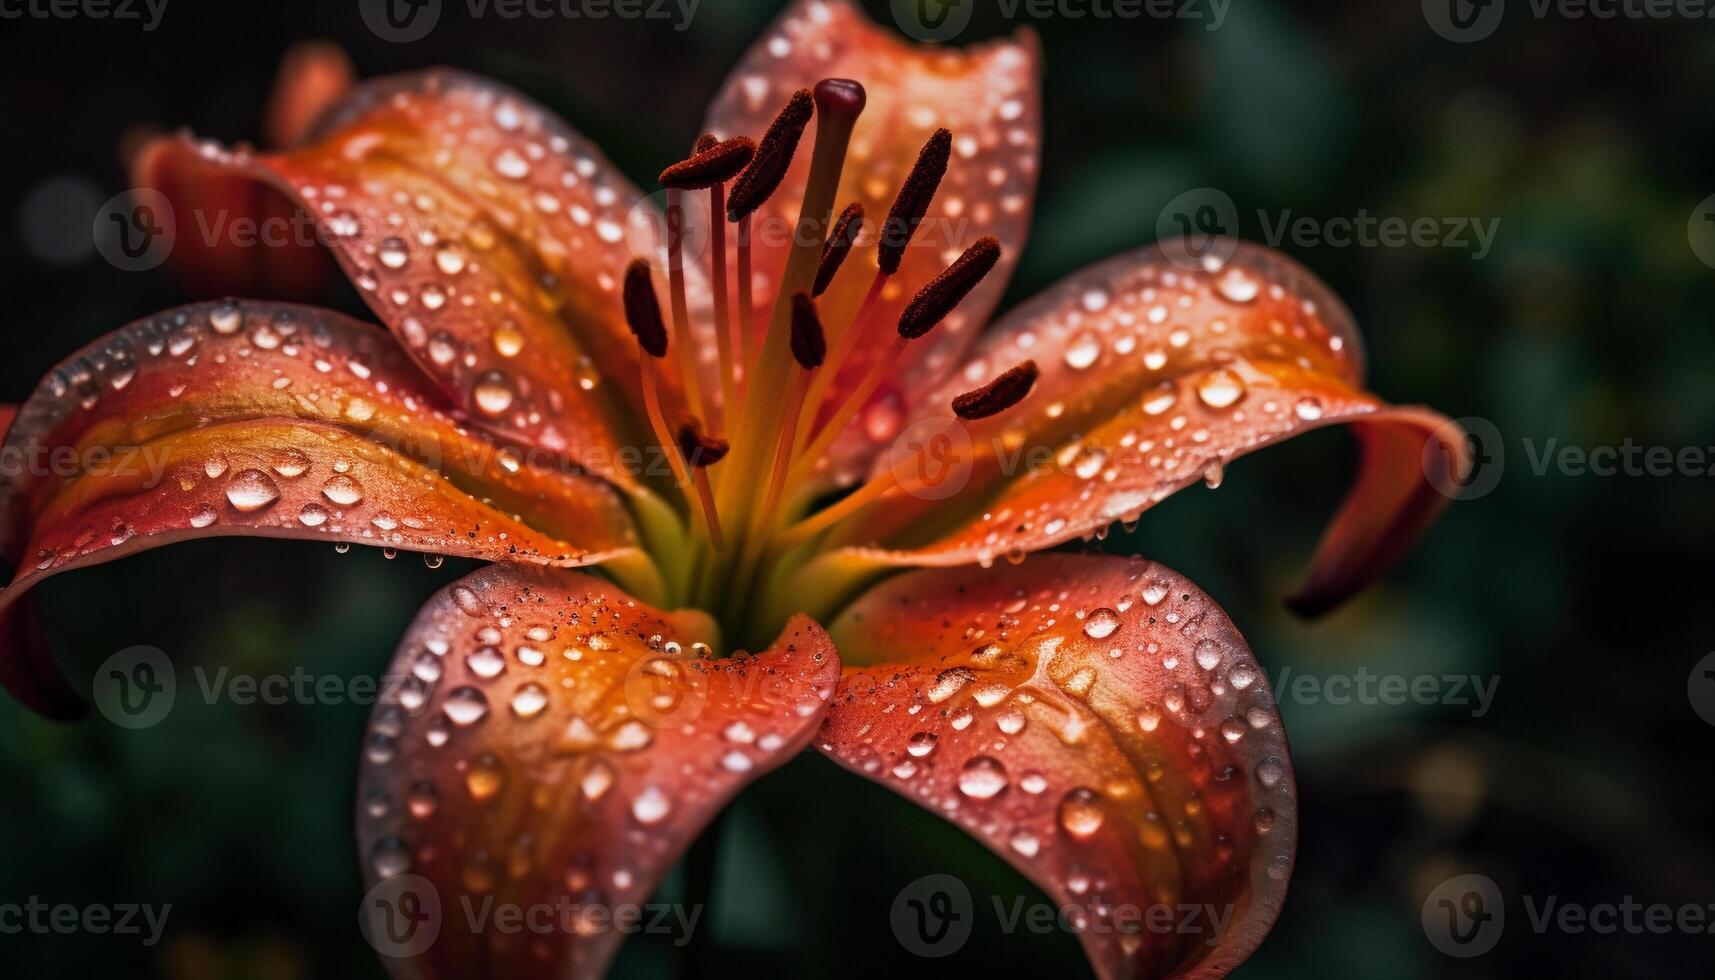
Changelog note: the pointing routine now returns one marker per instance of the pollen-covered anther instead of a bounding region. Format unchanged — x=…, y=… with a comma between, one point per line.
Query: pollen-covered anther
x=847, y=228
x=643, y=310
x=773, y=157
x=998, y=395
x=698, y=448
x=946, y=291
x=711, y=165
x=915, y=196
x=809, y=341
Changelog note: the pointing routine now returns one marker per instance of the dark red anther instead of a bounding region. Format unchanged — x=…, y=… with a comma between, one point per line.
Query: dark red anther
x=846, y=231
x=809, y=342
x=643, y=309
x=708, y=167
x=915, y=196
x=944, y=292
x=998, y=395
x=773, y=157
x=698, y=448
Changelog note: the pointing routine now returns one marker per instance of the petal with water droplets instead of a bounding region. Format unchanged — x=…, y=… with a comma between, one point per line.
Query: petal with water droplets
x=490, y=237
x=1154, y=377
x=556, y=745
x=1100, y=724
x=987, y=96
x=271, y=420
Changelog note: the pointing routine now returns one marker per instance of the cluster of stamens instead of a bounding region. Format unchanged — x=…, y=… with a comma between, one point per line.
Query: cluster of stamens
x=776, y=383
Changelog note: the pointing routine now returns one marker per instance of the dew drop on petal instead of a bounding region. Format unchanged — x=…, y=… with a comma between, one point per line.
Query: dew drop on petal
x=251, y=491
x=982, y=778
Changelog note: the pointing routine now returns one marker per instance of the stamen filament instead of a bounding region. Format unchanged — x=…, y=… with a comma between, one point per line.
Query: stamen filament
x=746, y=307
x=880, y=371
x=663, y=434
x=723, y=316
x=848, y=505
x=681, y=308
x=706, y=503
x=843, y=346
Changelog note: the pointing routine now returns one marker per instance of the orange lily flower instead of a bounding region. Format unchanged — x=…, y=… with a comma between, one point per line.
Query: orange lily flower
x=788, y=432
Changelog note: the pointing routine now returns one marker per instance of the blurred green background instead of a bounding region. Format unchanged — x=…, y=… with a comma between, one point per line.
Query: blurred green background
x=1585, y=598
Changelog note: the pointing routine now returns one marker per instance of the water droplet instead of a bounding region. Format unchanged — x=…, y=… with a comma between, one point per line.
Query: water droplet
x=921, y=744
x=485, y=778
x=486, y=663
x=651, y=806
x=424, y=799
x=292, y=463
x=390, y=857
x=982, y=778
x=466, y=706
x=1270, y=772
x=948, y=683
x=492, y=394
x=597, y=779
x=469, y=602
x=1220, y=388
x=313, y=515
x=1238, y=286
x=1101, y=623
x=1084, y=351
x=510, y=164
x=252, y=490
x=1208, y=655
x=529, y=700
x=1082, y=812
x=393, y=253
x=342, y=490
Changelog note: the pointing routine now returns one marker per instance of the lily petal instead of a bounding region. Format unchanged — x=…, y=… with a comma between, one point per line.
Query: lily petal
x=278, y=421
x=1154, y=378
x=489, y=236
x=988, y=96
x=554, y=746
x=1100, y=724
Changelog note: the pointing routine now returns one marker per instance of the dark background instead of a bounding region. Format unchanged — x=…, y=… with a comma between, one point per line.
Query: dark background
x=1587, y=597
